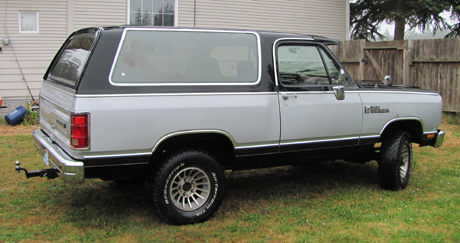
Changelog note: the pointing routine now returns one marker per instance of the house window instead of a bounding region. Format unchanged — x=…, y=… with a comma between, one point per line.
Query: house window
x=28, y=22
x=152, y=12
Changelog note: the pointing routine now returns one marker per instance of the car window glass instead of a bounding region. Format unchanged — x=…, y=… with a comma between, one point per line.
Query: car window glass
x=301, y=65
x=69, y=66
x=236, y=62
x=186, y=57
x=332, y=67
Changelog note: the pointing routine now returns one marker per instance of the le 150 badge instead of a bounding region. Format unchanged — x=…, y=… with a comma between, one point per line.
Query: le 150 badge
x=375, y=109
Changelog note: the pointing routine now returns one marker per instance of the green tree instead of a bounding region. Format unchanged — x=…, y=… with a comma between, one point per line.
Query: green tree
x=455, y=29
x=366, y=16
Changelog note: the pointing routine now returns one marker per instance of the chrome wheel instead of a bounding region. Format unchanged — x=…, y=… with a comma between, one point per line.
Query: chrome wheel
x=404, y=168
x=395, y=160
x=189, y=189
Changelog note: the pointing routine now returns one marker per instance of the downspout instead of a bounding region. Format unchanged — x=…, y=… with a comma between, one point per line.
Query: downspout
x=14, y=53
x=194, y=13
x=347, y=21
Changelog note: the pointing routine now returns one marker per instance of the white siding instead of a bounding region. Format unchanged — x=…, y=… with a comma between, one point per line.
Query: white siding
x=88, y=13
x=34, y=52
x=318, y=17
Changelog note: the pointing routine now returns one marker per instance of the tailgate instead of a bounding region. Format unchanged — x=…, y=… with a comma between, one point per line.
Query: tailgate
x=55, y=113
x=57, y=95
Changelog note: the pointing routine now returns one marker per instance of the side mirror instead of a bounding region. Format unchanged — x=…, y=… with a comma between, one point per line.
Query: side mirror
x=339, y=90
x=342, y=77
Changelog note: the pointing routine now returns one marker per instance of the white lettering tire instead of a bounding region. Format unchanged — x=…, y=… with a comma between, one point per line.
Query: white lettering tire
x=188, y=188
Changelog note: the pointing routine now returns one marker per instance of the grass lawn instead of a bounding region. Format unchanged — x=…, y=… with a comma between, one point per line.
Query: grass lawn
x=329, y=202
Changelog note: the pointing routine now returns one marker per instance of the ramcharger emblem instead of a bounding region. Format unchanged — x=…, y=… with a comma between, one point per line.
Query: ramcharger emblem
x=375, y=109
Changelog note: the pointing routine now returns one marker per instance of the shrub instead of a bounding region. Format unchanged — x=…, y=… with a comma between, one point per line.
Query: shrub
x=31, y=118
x=452, y=118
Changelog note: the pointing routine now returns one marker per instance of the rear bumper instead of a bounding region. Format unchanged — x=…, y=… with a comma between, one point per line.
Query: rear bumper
x=70, y=170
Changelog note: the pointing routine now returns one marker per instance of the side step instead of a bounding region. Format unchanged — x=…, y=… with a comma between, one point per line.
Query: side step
x=50, y=173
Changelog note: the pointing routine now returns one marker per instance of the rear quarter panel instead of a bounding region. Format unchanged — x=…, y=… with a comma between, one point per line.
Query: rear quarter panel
x=134, y=124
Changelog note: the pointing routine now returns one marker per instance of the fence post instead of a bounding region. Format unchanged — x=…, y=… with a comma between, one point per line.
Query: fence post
x=362, y=45
x=406, y=61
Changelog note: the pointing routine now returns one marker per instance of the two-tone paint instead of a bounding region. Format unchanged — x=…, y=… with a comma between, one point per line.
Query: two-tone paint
x=128, y=123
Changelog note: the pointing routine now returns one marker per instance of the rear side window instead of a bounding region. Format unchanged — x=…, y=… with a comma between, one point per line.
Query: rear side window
x=174, y=57
x=69, y=66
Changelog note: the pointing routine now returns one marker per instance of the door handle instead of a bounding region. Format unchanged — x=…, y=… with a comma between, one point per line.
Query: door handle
x=288, y=96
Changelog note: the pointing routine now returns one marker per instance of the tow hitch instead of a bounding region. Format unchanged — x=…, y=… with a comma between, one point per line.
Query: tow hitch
x=48, y=173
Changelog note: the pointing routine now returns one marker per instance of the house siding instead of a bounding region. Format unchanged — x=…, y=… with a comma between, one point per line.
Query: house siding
x=104, y=13
x=326, y=18
x=29, y=54
x=34, y=52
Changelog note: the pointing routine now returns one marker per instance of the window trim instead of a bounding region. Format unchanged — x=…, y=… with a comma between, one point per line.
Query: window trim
x=304, y=42
x=120, y=45
x=176, y=11
x=323, y=54
x=349, y=84
x=37, y=22
x=49, y=77
x=275, y=53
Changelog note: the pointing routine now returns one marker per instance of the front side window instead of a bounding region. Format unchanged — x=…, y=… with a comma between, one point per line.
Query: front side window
x=303, y=65
x=154, y=57
x=332, y=67
x=28, y=22
x=151, y=12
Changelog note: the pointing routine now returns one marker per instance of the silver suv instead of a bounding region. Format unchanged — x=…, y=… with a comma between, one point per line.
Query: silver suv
x=177, y=107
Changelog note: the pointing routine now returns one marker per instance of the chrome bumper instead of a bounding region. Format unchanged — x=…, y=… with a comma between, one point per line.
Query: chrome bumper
x=439, y=139
x=70, y=170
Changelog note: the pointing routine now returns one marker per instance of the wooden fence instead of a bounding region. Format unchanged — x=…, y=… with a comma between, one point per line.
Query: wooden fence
x=428, y=64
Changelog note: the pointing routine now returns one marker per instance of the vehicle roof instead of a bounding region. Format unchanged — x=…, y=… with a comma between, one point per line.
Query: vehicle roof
x=263, y=34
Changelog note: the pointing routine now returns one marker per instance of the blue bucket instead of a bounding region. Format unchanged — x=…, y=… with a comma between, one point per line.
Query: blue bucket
x=16, y=117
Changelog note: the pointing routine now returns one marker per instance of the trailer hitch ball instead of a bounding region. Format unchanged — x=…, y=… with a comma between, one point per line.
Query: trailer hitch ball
x=18, y=166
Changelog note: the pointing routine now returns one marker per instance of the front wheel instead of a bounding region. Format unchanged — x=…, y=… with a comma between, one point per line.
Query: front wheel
x=188, y=188
x=395, y=162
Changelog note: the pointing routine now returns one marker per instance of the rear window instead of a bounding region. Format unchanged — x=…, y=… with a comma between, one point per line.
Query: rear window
x=72, y=59
x=175, y=57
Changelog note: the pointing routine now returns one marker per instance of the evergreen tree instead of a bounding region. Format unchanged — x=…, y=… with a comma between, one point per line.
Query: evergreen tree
x=366, y=16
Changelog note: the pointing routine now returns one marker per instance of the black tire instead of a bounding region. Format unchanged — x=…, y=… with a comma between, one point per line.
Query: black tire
x=188, y=188
x=395, y=162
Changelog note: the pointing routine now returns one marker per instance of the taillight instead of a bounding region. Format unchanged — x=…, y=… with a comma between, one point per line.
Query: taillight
x=79, y=136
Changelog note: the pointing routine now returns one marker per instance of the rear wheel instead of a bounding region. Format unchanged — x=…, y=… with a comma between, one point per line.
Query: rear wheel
x=395, y=162
x=188, y=188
